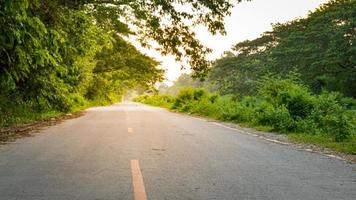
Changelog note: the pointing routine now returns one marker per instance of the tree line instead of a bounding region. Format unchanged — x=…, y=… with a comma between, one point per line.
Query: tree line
x=56, y=55
x=321, y=48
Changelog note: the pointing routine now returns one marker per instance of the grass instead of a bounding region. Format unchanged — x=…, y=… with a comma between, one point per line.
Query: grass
x=14, y=114
x=323, y=141
x=348, y=146
x=30, y=117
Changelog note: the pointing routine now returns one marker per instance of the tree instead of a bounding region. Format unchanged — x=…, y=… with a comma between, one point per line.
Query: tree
x=121, y=67
x=321, y=47
x=166, y=22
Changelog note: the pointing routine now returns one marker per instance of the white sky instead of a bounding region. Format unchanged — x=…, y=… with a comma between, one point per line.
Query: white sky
x=247, y=21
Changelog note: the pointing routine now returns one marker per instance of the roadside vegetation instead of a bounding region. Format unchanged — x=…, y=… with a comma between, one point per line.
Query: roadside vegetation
x=298, y=79
x=59, y=56
x=280, y=105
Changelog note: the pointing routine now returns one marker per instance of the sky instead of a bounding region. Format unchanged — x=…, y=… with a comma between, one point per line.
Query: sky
x=247, y=21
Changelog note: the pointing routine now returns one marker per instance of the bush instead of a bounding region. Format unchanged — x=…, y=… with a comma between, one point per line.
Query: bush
x=287, y=92
x=226, y=108
x=184, y=96
x=296, y=109
x=15, y=111
x=279, y=118
x=141, y=98
x=331, y=118
x=187, y=96
x=283, y=104
x=77, y=100
x=203, y=107
x=245, y=110
x=156, y=100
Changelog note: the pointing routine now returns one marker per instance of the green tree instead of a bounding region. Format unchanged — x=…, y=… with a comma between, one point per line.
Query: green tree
x=166, y=22
x=46, y=47
x=321, y=47
x=121, y=67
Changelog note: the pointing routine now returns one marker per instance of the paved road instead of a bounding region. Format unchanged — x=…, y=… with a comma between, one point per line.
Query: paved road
x=132, y=151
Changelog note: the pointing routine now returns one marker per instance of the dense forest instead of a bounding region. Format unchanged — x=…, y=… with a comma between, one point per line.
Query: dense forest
x=321, y=48
x=62, y=55
x=299, y=79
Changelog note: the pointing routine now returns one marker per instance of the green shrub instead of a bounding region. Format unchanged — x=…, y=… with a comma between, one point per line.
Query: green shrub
x=199, y=94
x=203, y=107
x=331, y=118
x=245, y=111
x=141, y=98
x=283, y=104
x=213, y=98
x=15, y=111
x=184, y=95
x=77, y=100
x=287, y=92
x=279, y=118
x=156, y=100
x=226, y=108
x=187, y=96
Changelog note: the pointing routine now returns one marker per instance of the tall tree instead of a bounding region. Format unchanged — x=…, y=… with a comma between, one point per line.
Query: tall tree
x=121, y=67
x=167, y=22
x=321, y=47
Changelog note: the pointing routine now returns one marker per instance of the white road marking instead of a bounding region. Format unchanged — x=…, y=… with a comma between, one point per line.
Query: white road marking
x=255, y=135
x=204, y=120
x=337, y=157
x=274, y=141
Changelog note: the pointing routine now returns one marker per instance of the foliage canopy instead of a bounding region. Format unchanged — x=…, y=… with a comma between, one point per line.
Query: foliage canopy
x=53, y=52
x=320, y=47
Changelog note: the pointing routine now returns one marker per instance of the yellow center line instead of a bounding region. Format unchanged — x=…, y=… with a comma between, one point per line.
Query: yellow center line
x=137, y=181
x=129, y=130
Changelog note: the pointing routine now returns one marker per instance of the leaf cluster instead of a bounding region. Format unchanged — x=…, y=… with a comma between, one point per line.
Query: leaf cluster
x=320, y=47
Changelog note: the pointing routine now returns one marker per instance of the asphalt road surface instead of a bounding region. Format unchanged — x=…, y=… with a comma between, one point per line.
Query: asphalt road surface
x=132, y=151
